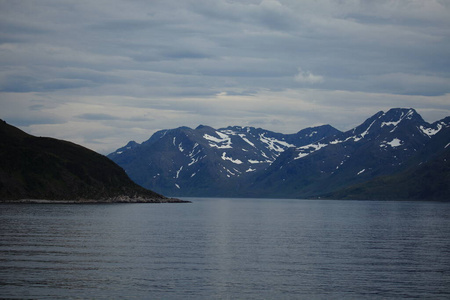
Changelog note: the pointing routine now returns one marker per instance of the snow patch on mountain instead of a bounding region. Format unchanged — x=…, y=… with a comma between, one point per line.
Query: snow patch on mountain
x=392, y=123
x=431, y=131
x=408, y=115
x=394, y=143
x=193, y=161
x=223, y=142
x=312, y=133
x=308, y=149
x=274, y=144
x=192, y=154
x=246, y=140
x=178, y=172
x=301, y=155
x=230, y=173
x=342, y=162
x=362, y=135
x=252, y=161
x=336, y=141
x=235, y=161
x=265, y=156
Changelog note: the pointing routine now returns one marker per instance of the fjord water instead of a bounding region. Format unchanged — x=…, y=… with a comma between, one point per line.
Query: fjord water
x=226, y=248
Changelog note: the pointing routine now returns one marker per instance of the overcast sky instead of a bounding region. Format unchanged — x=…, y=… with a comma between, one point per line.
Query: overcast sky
x=101, y=73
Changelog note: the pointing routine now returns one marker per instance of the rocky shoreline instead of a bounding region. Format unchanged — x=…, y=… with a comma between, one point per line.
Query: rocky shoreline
x=119, y=199
x=49, y=171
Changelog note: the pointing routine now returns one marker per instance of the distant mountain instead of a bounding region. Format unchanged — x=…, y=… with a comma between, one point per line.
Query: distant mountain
x=208, y=162
x=426, y=177
x=384, y=144
x=50, y=169
x=253, y=162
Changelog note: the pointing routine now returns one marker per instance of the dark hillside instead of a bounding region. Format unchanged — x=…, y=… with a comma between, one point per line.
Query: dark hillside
x=426, y=178
x=46, y=168
x=429, y=181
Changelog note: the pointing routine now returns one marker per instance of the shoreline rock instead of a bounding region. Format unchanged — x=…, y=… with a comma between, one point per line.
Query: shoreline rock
x=120, y=199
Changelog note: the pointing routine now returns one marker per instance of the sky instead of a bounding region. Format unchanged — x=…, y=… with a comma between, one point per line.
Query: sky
x=102, y=73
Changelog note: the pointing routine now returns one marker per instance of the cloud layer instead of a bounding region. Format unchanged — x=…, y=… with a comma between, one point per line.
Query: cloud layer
x=101, y=73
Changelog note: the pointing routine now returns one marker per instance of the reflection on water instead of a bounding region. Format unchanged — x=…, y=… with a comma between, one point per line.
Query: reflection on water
x=226, y=248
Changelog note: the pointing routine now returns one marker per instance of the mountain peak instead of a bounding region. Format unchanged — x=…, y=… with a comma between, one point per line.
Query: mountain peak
x=248, y=161
x=396, y=115
x=131, y=144
x=389, y=120
x=199, y=127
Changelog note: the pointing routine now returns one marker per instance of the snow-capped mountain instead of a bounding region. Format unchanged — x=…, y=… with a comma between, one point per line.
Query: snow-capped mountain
x=253, y=162
x=185, y=161
x=384, y=144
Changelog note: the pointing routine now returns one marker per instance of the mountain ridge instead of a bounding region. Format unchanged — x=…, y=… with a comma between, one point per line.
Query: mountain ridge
x=192, y=160
x=380, y=146
x=253, y=162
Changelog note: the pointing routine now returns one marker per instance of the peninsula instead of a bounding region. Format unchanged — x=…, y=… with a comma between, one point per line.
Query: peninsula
x=47, y=170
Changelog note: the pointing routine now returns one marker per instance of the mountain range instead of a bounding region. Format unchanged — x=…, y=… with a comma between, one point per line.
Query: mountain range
x=41, y=169
x=391, y=155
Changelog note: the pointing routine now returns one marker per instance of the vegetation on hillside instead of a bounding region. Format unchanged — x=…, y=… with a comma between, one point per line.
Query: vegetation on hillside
x=46, y=168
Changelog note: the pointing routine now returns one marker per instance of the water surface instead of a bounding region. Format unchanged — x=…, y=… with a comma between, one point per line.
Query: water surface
x=226, y=248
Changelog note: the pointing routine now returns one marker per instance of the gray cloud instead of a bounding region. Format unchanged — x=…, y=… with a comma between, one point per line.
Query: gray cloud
x=308, y=77
x=160, y=64
x=27, y=121
x=97, y=117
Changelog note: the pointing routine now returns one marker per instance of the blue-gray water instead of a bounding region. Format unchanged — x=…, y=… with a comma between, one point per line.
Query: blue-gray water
x=226, y=248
